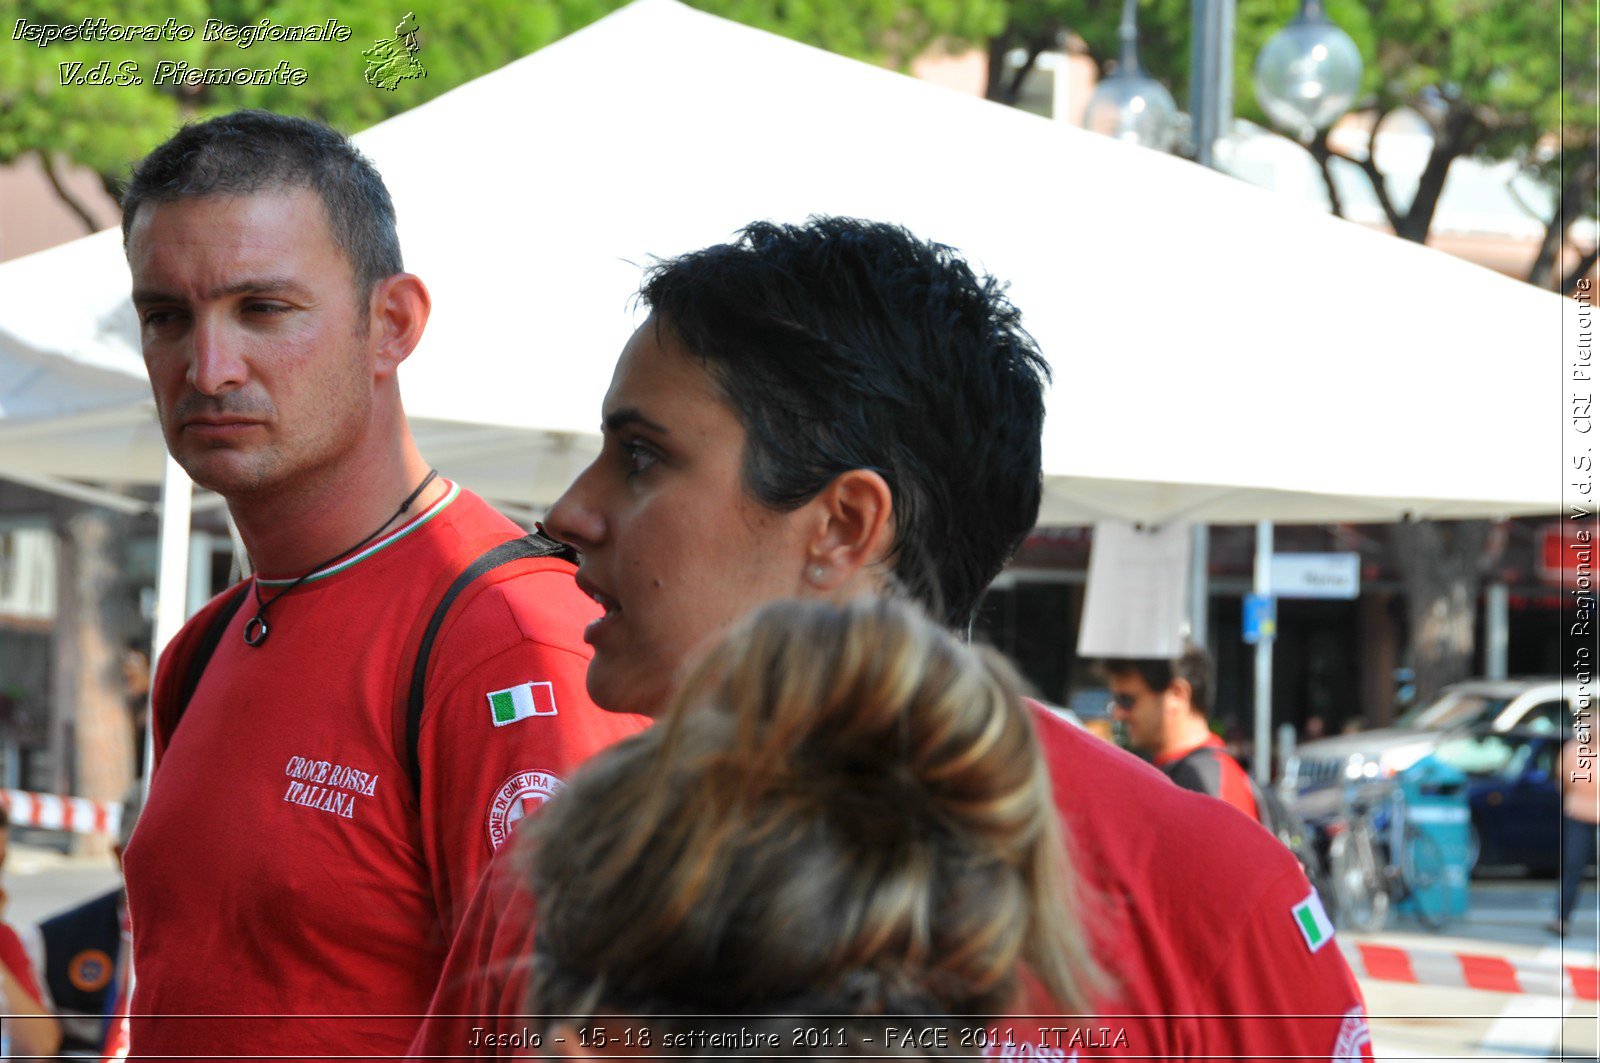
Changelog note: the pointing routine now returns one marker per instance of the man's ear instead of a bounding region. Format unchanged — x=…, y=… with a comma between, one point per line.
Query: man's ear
x=399, y=312
x=855, y=528
x=1181, y=693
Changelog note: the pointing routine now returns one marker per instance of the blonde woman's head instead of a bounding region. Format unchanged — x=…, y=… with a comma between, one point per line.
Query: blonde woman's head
x=846, y=812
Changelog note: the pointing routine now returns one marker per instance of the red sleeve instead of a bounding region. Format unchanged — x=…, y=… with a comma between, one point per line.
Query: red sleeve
x=1286, y=970
x=485, y=985
x=507, y=719
x=1236, y=788
x=15, y=957
x=1212, y=940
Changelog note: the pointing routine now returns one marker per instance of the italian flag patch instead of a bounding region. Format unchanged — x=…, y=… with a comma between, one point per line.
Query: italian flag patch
x=1312, y=919
x=520, y=702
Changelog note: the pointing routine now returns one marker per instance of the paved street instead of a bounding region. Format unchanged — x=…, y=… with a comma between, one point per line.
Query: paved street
x=40, y=881
x=1438, y=1022
x=1506, y=920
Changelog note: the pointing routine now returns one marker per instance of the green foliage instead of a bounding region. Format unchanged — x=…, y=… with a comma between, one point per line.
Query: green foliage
x=892, y=31
x=1521, y=71
x=107, y=127
x=101, y=127
x=1498, y=79
x=1501, y=59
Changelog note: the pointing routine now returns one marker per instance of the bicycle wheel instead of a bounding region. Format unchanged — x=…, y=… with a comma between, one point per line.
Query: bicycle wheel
x=1422, y=871
x=1358, y=880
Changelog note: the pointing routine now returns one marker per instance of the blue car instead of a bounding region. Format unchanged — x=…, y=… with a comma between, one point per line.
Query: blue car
x=1514, y=792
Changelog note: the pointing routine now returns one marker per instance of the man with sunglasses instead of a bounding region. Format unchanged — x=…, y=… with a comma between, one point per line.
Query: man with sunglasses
x=1163, y=705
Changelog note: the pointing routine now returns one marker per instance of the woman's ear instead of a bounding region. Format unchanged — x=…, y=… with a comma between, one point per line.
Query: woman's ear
x=855, y=529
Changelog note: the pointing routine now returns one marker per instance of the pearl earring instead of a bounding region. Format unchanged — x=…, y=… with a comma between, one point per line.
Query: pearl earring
x=817, y=573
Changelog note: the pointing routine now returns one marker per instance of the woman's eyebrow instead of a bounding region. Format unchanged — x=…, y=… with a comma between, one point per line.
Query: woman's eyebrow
x=628, y=416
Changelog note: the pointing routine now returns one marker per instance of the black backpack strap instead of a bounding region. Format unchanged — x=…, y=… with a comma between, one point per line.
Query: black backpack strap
x=203, y=651
x=536, y=544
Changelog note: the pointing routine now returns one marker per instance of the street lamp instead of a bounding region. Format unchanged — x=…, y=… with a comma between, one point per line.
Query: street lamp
x=1308, y=74
x=1306, y=77
x=1131, y=105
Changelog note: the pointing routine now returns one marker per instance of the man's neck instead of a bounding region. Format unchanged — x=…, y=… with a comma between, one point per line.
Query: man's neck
x=1183, y=737
x=287, y=533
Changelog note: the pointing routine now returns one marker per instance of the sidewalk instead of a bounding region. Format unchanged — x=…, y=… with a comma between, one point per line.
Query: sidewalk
x=40, y=881
x=28, y=858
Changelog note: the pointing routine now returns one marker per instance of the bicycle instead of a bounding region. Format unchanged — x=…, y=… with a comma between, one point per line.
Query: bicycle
x=1380, y=859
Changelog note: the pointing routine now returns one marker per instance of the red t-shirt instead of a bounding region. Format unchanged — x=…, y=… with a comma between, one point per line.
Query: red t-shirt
x=284, y=865
x=1213, y=771
x=15, y=956
x=1214, y=940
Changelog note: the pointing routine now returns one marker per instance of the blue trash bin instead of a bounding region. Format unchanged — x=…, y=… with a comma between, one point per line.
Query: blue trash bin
x=1436, y=805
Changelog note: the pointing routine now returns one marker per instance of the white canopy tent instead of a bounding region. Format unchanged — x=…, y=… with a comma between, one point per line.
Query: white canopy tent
x=1220, y=354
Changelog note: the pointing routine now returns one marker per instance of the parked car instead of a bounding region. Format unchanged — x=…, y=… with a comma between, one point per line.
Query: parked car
x=1514, y=791
x=1534, y=705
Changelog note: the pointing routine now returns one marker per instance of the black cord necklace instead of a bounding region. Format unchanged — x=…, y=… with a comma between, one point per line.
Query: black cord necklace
x=255, y=629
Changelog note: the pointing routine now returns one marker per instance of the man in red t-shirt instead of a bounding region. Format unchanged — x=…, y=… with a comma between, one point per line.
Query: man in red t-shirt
x=1163, y=705
x=837, y=409
x=308, y=847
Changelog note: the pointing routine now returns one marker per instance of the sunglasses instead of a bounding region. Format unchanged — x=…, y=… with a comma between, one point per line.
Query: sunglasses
x=1123, y=701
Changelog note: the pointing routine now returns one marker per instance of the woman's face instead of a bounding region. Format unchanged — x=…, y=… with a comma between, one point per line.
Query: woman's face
x=674, y=547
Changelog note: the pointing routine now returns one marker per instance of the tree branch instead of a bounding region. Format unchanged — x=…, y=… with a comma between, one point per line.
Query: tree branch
x=998, y=47
x=1319, y=151
x=1519, y=200
x=1569, y=283
x=1014, y=90
x=1452, y=141
x=1380, y=185
x=88, y=220
x=1009, y=90
x=1571, y=204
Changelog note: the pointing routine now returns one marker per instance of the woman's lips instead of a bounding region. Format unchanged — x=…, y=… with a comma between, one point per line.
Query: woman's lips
x=597, y=626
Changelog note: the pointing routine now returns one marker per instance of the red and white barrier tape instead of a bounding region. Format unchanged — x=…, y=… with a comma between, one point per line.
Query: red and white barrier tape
x=52, y=812
x=1386, y=963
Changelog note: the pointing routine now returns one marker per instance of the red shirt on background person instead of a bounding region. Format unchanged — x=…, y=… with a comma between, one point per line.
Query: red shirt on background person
x=1163, y=706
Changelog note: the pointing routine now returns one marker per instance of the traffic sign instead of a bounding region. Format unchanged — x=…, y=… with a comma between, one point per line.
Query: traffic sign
x=1260, y=618
x=1316, y=575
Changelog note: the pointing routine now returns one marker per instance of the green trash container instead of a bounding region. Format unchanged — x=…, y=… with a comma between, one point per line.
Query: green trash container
x=1440, y=840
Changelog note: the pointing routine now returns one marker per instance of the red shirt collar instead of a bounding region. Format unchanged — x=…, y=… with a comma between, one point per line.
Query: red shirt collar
x=1163, y=759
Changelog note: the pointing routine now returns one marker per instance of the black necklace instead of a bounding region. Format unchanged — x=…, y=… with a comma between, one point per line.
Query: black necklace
x=255, y=629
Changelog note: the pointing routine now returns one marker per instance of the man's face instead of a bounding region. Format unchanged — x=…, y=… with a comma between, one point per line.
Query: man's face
x=1141, y=710
x=252, y=337
x=674, y=547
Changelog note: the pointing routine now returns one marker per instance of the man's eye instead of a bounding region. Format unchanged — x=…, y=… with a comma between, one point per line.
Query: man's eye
x=266, y=308
x=156, y=318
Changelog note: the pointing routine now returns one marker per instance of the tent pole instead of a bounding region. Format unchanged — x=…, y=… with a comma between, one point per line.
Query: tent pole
x=1199, y=584
x=1261, y=759
x=95, y=496
x=172, y=574
x=1497, y=622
